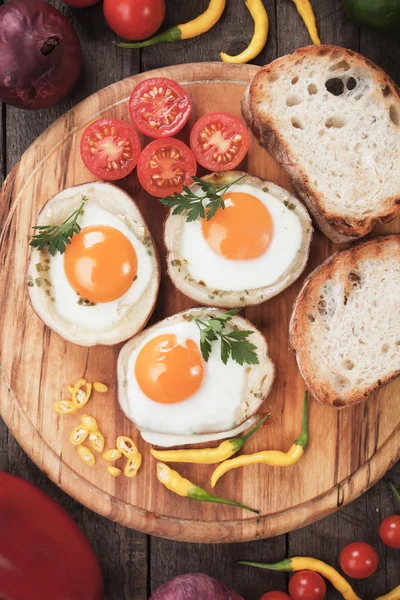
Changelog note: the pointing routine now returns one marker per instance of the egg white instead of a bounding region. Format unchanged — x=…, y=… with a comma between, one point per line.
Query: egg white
x=104, y=314
x=205, y=265
x=214, y=407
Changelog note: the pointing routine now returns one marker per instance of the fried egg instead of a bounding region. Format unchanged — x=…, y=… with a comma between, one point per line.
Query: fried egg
x=247, y=252
x=102, y=289
x=167, y=388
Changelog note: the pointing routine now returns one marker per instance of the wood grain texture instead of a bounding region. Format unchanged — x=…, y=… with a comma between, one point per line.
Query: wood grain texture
x=348, y=451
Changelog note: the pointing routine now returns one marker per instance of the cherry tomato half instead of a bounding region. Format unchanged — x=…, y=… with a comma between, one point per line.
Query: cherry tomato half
x=219, y=141
x=307, y=585
x=110, y=148
x=275, y=596
x=159, y=107
x=134, y=19
x=165, y=166
x=358, y=560
x=389, y=531
x=80, y=3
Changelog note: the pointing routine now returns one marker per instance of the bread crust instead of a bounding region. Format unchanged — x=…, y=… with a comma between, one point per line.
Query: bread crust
x=333, y=225
x=337, y=266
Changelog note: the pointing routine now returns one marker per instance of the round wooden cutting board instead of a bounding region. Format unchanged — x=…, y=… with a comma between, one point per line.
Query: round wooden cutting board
x=349, y=450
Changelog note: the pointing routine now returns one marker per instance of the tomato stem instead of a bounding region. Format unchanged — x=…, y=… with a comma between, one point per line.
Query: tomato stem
x=395, y=492
x=173, y=34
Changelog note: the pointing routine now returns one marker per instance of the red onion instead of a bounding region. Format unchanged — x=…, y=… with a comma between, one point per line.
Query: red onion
x=40, y=54
x=194, y=586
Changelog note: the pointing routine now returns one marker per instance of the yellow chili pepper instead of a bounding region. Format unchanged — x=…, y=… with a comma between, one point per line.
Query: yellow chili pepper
x=197, y=26
x=114, y=471
x=90, y=422
x=307, y=14
x=393, y=595
x=80, y=397
x=133, y=465
x=275, y=458
x=86, y=456
x=207, y=456
x=112, y=454
x=183, y=487
x=79, y=435
x=97, y=440
x=299, y=563
x=259, y=39
x=100, y=387
x=126, y=446
x=64, y=407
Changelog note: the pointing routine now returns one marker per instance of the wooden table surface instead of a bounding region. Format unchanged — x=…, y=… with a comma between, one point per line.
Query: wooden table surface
x=134, y=564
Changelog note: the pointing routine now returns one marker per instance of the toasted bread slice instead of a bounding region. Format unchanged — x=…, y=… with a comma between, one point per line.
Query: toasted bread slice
x=345, y=327
x=331, y=118
x=287, y=208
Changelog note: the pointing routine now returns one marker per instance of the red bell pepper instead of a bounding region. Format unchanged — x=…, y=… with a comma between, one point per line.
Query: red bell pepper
x=43, y=553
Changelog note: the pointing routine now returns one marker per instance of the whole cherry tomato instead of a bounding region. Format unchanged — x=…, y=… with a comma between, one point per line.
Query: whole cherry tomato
x=134, y=19
x=389, y=531
x=359, y=560
x=307, y=585
x=275, y=596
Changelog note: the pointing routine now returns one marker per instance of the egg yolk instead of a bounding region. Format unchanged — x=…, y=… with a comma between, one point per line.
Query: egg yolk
x=168, y=372
x=242, y=230
x=100, y=263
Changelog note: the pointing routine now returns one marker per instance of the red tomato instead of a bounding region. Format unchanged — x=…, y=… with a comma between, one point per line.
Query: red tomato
x=43, y=554
x=307, y=585
x=80, y=3
x=134, y=19
x=159, y=107
x=165, y=166
x=219, y=141
x=389, y=531
x=358, y=560
x=275, y=596
x=110, y=148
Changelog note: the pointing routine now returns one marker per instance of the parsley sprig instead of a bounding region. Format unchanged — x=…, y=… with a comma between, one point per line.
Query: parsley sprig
x=194, y=203
x=234, y=342
x=56, y=237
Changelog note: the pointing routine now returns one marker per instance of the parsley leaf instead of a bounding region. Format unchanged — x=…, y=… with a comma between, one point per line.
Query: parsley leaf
x=56, y=237
x=196, y=205
x=234, y=342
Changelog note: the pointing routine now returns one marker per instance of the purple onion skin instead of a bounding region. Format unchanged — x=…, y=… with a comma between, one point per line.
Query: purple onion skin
x=194, y=586
x=40, y=54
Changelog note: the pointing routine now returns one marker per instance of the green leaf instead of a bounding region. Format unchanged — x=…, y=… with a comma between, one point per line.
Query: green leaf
x=56, y=237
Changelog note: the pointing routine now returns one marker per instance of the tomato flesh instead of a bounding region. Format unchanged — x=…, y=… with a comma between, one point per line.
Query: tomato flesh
x=275, y=596
x=359, y=560
x=110, y=148
x=159, y=107
x=134, y=19
x=389, y=531
x=220, y=141
x=165, y=166
x=307, y=585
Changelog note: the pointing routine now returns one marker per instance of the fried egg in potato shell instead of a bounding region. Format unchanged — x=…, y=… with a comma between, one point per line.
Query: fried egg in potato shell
x=168, y=390
x=103, y=288
x=247, y=252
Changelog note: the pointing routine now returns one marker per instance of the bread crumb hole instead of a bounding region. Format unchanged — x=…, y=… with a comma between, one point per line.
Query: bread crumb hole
x=336, y=122
x=386, y=91
x=293, y=100
x=296, y=123
x=358, y=97
x=322, y=132
x=338, y=403
x=273, y=77
x=351, y=84
x=340, y=66
x=311, y=318
x=312, y=89
x=385, y=348
x=340, y=383
x=394, y=115
x=295, y=80
x=335, y=86
x=348, y=364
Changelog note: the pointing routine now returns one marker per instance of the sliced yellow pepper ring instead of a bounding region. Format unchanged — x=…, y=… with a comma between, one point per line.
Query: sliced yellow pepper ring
x=114, y=471
x=90, y=422
x=126, y=446
x=79, y=435
x=86, y=456
x=79, y=396
x=100, y=387
x=133, y=465
x=97, y=440
x=64, y=407
x=112, y=454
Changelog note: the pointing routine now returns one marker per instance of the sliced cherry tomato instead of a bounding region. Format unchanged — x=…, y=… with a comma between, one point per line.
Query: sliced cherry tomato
x=307, y=585
x=159, y=107
x=219, y=141
x=110, y=148
x=389, y=531
x=134, y=19
x=358, y=560
x=165, y=166
x=275, y=596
